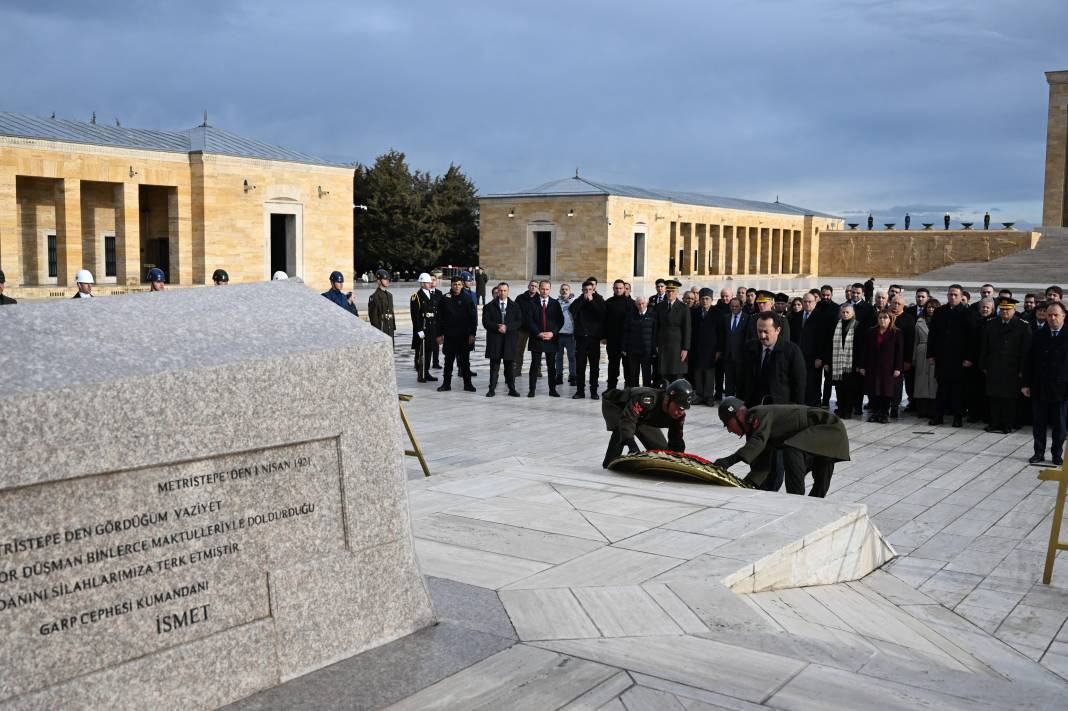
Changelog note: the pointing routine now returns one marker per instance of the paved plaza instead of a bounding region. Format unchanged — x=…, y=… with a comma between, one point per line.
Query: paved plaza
x=561, y=585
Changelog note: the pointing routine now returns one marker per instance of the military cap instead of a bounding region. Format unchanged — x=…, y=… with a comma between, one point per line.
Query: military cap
x=337, y=278
x=706, y=292
x=1007, y=304
x=220, y=275
x=381, y=274
x=781, y=298
x=673, y=284
x=466, y=276
x=436, y=273
x=763, y=296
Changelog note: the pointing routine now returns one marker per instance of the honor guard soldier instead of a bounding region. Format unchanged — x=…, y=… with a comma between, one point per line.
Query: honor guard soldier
x=156, y=279
x=642, y=413
x=339, y=297
x=380, y=305
x=424, y=326
x=84, y=279
x=4, y=300
x=220, y=277
x=810, y=438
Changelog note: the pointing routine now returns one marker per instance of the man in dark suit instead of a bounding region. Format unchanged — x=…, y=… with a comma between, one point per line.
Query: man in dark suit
x=705, y=348
x=523, y=301
x=639, y=344
x=809, y=331
x=587, y=313
x=458, y=324
x=722, y=309
x=4, y=300
x=947, y=344
x=904, y=321
x=617, y=308
x=544, y=321
x=501, y=318
x=735, y=326
x=827, y=309
x=773, y=374
x=1045, y=381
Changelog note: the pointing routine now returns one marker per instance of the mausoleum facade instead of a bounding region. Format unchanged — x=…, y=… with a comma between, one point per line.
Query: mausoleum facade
x=118, y=201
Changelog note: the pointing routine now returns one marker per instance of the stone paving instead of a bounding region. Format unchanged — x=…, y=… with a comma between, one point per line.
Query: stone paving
x=624, y=592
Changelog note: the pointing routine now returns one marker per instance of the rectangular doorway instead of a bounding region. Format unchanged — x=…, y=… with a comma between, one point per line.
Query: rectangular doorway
x=639, y=254
x=543, y=253
x=159, y=255
x=283, y=243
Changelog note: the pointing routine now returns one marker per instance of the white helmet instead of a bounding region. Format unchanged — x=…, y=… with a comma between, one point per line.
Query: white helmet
x=84, y=276
x=424, y=278
x=279, y=276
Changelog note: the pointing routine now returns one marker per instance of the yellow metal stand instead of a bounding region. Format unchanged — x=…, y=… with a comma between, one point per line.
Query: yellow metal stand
x=1060, y=476
x=415, y=451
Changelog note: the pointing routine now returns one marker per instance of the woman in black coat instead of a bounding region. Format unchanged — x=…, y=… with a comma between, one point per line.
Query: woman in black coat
x=884, y=349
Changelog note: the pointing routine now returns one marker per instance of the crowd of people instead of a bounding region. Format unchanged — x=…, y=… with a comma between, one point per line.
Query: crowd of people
x=989, y=359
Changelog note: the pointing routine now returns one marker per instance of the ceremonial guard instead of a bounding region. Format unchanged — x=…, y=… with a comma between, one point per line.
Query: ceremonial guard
x=672, y=333
x=380, y=305
x=424, y=327
x=810, y=439
x=456, y=328
x=1004, y=347
x=501, y=318
x=220, y=277
x=335, y=293
x=642, y=413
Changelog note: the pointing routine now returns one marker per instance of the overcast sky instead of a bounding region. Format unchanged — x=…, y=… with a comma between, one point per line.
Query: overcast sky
x=843, y=106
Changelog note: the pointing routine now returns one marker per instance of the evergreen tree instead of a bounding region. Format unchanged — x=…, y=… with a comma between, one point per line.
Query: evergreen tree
x=454, y=206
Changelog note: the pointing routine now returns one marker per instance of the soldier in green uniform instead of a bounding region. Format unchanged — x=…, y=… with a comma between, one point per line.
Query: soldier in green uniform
x=380, y=305
x=811, y=440
x=642, y=413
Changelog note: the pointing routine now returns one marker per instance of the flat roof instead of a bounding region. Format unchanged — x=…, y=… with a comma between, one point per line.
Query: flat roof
x=578, y=186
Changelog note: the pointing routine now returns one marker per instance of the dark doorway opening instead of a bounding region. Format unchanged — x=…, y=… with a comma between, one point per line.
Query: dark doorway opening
x=159, y=255
x=283, y=244
x=639, y=254
x=543, y=245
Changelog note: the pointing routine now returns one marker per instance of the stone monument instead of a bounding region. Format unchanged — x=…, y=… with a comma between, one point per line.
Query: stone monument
x=202, y=495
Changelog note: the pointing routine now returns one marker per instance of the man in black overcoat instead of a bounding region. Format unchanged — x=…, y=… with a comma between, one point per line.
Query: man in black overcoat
x=544, y=321
x=501, y=318
x=1005, y=343
x=947, y=347
x=1046, y=383
x=588, y=314
x=617, y=308
x=639, y=344
x=457, y=322
x=735, y=327
x=705, y=348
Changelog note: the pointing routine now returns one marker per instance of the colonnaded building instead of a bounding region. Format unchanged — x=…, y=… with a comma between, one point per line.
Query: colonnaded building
x=575, y=227
x=119, y=201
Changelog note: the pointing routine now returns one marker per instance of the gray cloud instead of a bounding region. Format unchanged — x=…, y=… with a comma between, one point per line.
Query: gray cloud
x=828, y=104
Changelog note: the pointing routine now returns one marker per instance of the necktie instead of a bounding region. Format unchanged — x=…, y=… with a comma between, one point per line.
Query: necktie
x=764, y=358
x=804, y=319
x=544, y=314
x=1055, y=333
x=734, y=322
x=504, y=308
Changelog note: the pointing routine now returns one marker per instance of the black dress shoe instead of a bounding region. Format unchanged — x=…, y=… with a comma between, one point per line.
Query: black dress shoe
x=1057, y=461
x=553, y=393
x=935, y=421
x=530, y=393
x=422, y=380
x=490, y=393
x=873, y=418
x=468, y=387
x=513, y=393
x=444, y=388
x=431, y=378
x=991, y=428
x=472, y=374
x=578, y=396
x=894, y=414
x=594, y=395
x=1036, y=459
x=958, y=422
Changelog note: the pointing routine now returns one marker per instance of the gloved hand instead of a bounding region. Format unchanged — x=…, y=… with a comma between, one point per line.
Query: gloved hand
x=726, y=462
x=421, y=334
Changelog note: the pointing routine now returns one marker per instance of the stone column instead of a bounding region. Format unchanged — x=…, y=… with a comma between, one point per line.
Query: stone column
x=702, y=250
x=128, y=234
x=68, y=230
x=755, y=255
x=179, y=230
x=1055, y=195
x=788, y=251
x=776, y=251
x=10, y=239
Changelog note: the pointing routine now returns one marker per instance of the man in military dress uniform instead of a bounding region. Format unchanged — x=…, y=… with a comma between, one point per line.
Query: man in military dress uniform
x=435, y=294
x=642, y=413
x=673, y=323
x=424, y=327
x=380, y=305
x=456, y=333
x=336, y=293
x=1005, y=342
x=811, y=440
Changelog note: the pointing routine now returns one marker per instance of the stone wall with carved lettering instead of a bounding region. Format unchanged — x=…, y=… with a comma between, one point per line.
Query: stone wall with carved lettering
x=257, y=502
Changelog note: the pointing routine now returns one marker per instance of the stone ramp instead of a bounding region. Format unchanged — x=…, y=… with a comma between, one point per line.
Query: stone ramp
x=1047, y=263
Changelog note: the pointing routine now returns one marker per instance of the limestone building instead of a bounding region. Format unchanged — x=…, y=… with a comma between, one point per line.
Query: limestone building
x=119, y=201
x=574, y=228
x=1055, y=195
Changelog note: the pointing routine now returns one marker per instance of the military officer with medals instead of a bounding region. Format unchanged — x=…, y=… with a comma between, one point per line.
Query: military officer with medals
x=811, y=440
x=424, y=327
x=380, y=306
x=642, y=413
